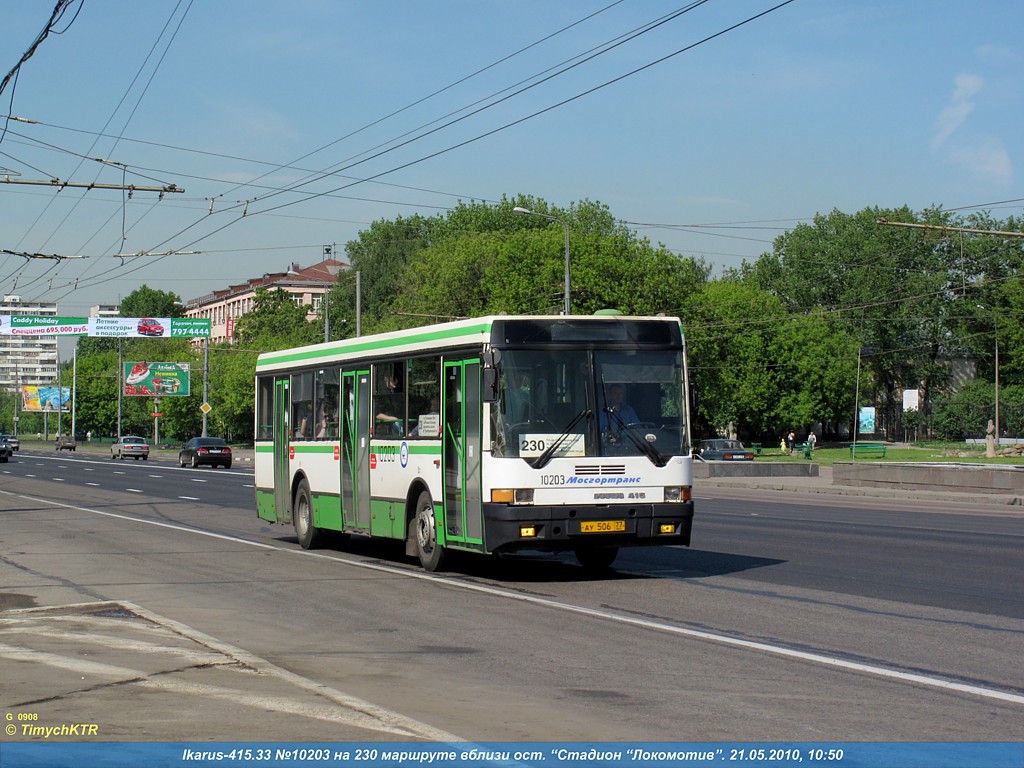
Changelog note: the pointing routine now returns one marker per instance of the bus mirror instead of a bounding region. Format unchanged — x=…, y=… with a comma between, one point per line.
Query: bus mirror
x=489, y=385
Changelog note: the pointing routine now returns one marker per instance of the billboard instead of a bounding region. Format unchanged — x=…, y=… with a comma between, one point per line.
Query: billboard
x=867, y=420
x=38, y=399
x=156, y=379
x=104, y=327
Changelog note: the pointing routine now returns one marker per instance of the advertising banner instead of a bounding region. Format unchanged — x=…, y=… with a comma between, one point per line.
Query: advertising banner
x=156, y=379
x=104, y=327
x=36, y=399
x=41, y=325
x=148, y=327
x=866, y=425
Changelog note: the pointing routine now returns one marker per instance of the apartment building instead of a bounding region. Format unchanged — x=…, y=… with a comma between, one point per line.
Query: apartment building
x=27, y=360
x=307, y=286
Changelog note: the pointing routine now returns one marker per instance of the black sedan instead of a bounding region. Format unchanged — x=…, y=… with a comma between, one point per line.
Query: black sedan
x=205, y=450
x=6, y=451
x=724, y=450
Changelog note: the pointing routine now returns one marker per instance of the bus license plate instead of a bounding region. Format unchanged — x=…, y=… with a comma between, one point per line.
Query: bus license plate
x=602, y=526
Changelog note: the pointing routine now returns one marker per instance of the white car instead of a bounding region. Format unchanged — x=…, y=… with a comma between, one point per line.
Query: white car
x=130, y=446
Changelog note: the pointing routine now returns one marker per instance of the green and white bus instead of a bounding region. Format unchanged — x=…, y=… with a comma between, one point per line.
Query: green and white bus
x=491, y=435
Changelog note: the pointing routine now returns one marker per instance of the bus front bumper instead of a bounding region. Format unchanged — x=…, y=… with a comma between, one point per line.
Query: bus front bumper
x=564, y=528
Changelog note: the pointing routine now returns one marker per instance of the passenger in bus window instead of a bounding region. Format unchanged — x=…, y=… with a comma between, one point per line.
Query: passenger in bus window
x=391, y=389
x=302, y=418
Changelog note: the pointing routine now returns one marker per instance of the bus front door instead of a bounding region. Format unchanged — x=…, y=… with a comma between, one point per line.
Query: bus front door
x=462, y=425
x=282, y=478
x=355, y=447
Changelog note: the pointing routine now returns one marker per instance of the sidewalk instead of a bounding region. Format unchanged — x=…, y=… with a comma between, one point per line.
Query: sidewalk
x=823, y=484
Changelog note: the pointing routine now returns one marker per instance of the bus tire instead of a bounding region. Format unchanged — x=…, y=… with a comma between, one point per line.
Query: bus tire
x=302, y=513
x=424, y=531
x=596, y=558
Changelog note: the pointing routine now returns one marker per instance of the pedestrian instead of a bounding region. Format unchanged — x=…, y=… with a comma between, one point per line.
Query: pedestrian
x=811, y=439
x=791, y=440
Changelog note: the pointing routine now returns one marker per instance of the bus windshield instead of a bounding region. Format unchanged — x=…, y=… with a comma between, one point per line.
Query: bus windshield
x=631, y=401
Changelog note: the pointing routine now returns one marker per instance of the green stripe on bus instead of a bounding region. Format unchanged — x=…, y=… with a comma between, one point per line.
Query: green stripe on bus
x=353, y=346
x=299, y=448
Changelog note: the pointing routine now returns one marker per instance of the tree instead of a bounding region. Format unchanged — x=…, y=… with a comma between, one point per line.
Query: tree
x=730, y=325
x=380, y=256
x=891, y=288
x=232, y=393
x=96, y=385
x=520, y=267
x=151, y=302
x=275, y=322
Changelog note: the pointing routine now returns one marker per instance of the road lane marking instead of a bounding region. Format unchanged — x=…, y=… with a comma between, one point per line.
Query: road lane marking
x=189, y=498
x=750, y=645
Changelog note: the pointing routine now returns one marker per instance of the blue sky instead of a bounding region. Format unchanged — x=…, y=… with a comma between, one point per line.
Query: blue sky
x=818, y=105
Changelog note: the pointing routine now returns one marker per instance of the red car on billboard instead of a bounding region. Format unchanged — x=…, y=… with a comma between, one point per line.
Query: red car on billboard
x=150, y=327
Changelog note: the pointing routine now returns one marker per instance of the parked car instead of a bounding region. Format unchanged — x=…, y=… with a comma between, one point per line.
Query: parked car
x=6, y=451
x=66, y=443
x=130, y=446
x=205, y=450
x=13, y=441
x=724, y=450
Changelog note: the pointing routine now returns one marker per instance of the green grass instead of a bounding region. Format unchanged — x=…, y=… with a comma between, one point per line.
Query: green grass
x=930, y=452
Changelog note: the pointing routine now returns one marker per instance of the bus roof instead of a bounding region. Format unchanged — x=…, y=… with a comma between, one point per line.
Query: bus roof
x=459, y=333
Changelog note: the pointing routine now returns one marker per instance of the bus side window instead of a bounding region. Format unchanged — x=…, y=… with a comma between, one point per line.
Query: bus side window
x=265, y=408
x=327, y=398
x=424, y=396
x=389, y=399
x=302, y=406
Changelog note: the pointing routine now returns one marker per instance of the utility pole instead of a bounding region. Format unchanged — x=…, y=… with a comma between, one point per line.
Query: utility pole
x=206, y=379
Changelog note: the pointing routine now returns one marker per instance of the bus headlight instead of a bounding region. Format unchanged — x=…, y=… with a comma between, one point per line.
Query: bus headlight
x=677, y=493
x=512, y=496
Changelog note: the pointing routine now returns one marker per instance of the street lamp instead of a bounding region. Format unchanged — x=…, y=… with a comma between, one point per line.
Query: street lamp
x=520, y=211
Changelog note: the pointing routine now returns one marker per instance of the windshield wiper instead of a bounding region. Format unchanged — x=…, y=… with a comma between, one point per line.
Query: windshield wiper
x=656, y=457
x=544, y=458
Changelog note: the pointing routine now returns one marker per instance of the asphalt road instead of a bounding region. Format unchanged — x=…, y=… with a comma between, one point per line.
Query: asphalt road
x=833, y=619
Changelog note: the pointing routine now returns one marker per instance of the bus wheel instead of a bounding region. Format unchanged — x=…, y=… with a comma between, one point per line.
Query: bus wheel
x=302, y=513
x=430, y=553
x=596, y=558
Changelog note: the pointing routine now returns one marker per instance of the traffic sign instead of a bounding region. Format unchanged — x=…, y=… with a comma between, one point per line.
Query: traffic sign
x=205, y=408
